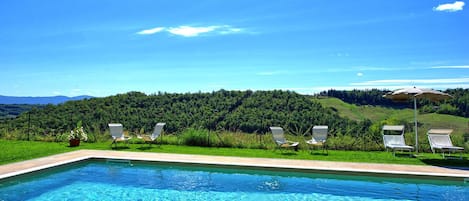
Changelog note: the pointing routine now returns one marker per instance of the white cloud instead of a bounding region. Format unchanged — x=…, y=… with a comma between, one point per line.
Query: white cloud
x=188, y=31
x=451, y=67
x=397, y=68
x=439, y=84
x=192, y=31
x=151, y=31
x=416, y=81
x=388, y=87
x=450, y=7
x=359, y=74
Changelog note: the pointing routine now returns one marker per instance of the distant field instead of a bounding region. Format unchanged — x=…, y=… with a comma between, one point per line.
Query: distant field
x=359, y=113
x=374, y=113
x=459, y=124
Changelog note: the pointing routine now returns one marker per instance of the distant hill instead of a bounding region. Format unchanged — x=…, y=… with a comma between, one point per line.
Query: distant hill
x=8, y=111
x=39, y=100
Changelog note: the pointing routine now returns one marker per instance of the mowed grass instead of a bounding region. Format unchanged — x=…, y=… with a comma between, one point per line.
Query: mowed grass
x=14, y=151
x=359, y=113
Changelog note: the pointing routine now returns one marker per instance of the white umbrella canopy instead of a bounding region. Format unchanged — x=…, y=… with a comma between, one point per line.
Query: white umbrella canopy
x=414, y=94
x=411, y=93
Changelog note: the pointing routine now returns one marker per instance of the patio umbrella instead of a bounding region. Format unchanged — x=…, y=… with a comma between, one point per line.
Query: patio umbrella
x=414, y=94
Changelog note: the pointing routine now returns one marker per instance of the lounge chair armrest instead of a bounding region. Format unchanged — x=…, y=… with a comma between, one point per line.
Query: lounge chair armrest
x=280, y=142
x=294, y=143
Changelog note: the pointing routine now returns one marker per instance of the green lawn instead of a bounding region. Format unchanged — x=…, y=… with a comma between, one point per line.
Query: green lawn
x=13, y=151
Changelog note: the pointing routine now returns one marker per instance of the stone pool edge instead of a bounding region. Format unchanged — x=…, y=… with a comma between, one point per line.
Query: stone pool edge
x=389, y=170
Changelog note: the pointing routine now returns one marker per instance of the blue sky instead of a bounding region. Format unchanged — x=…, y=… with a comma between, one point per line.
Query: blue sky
x=106, y=47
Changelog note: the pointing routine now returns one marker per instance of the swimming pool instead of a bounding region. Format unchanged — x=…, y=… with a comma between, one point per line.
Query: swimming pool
x=108, y=180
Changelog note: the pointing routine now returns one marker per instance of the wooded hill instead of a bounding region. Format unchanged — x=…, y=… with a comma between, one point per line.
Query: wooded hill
x=13, y=110
x=244, y=111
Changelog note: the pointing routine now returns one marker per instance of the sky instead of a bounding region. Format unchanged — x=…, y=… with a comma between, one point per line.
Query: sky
x=107, y=47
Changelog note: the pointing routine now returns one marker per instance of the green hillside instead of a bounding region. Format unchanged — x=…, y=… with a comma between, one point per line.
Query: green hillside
x=359, y=113
x=377, y=113
x=235, y=111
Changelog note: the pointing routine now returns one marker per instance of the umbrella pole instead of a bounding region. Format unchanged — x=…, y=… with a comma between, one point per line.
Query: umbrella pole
x=416, y=131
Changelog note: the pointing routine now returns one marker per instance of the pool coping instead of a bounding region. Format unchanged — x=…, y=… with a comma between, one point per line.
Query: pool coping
x=388, y=170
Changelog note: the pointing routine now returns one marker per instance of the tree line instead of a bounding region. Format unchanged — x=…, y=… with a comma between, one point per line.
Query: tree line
x=236, y=111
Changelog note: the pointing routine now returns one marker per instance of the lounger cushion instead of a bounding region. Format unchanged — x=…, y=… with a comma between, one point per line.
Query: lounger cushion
x=405, y=147
x=448, y=147
x=314, y=142
x=290, y=145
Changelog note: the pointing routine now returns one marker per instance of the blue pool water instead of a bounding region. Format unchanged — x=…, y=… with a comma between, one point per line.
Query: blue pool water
x=98, y=180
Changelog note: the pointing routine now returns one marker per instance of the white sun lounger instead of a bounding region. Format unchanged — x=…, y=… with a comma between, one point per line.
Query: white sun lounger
x=156, y=133
x=117, y=133
x=279, y=138
x=319, y=137
x=393, y=138
x=439, y=139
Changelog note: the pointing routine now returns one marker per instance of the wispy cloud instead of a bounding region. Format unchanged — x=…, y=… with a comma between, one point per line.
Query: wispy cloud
x=192, y=31
x=451, y=67
x=317, y=89
x=230, y=30
x=401, y=68
x=188, y=31
x=416, y=81
x=450, y=7
x=151, y=31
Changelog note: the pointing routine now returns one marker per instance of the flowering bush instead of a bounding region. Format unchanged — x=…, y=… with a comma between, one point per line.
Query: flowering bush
x=78, y=133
